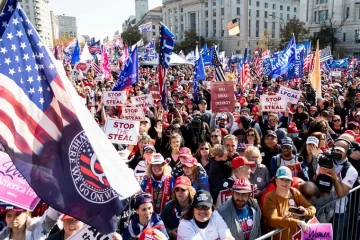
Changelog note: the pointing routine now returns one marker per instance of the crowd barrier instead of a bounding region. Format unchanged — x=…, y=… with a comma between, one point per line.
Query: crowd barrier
x=342, y=212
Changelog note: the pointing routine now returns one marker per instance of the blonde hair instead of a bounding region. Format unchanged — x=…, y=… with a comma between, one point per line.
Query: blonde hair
x=230, y=137
x=251, y=150
x=219, y=150
x=166, y=170
x=192, y=193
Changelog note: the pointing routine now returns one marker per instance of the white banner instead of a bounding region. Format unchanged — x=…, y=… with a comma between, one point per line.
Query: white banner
x=89, y=233
x=292, y=95
x=273, y=103
x=144, y=101
x=122, y=131
x=336, y=73
x=133, y=113
x=114, y=98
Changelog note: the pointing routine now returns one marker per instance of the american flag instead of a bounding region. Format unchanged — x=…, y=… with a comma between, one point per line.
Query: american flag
x=43, y=124
x=258, y=63
x=95, y=47
x=167, y=44
x=245, y=75
x=219, y=72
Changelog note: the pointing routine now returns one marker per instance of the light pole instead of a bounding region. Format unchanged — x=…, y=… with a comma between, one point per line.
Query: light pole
x=282, y=20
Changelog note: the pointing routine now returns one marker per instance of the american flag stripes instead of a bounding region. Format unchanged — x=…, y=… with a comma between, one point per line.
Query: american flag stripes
x=46, y=130
x=233, y=27
x=258, y=63
x=95, y=47
x=245, y=75
x=219, y=72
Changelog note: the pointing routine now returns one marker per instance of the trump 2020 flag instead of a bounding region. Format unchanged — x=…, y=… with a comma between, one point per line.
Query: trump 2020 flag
x=129, y=75
x=167, y=44
x=286, y=60
x=76, y=54
x=147, y=27
x=51, y=136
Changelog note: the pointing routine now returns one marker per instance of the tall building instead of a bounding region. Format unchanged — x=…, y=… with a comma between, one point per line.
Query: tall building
x=54, y=25
x=341, y=12
x=67, y=26
x=141, y=8
x=39, y=14
x=209, y=19
x=155, y=17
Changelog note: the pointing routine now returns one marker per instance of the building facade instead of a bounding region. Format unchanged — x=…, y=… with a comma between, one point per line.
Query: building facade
x=210, y=18
x=155, y=17
x=130, y=22
x=67, y=26
x=341, y=12
x=39, y=14
x=54, y=25
x=141, y=8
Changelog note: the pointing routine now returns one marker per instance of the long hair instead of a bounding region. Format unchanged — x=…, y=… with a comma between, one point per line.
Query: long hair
x=253, y=150
x=189, y=213
x=257, y=140
x=192, y=193
x=318, y=125
x=166, y=168
x=197, y=153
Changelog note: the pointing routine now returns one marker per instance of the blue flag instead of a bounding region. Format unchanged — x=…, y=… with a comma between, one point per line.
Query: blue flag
x=208, y=56
x=267, y=66
x=167, y=44
x=76, y=54
x=286, y=61
x=129, y=75
x=199, y=70
x=245, y=55
x=50, y=136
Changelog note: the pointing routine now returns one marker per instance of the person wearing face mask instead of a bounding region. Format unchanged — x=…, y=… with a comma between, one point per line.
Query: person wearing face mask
x=201, y=222
x=241, y=212
x=144, y=217
x=277, y=204
x=222, y=121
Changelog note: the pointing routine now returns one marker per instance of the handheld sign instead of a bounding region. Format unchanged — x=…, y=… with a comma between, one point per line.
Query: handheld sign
x=114, y=98
x=89, y=233
x=292, y=95
x=14, y=189
x=122, y=131
x=336, y=73
x=143, y=101
x=133, y=113
x=222, y=97
x=317, y=231
x=155, y=92
x=273, y=103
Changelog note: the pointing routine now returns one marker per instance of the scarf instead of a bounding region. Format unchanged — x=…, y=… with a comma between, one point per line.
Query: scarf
x=134, y=225
x=164, y=184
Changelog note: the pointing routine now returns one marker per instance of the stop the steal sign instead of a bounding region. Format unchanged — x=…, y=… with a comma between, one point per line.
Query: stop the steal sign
x=276, y=103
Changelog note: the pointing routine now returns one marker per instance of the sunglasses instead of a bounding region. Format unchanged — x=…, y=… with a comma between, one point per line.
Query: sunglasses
x=336, y=120
x=250, y=135
x=215, y=136
x=206, y=208
x=204, y=148
x=179, y=190
x=286, y=147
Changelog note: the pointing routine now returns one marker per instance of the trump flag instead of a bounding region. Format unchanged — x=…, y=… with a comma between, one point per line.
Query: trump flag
x=50, y=135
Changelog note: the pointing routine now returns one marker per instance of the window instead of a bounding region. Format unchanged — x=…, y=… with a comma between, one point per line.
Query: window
x=265, y=14
x=321, y=16
x=281, y=7
x=182, y=18
x=214, y=28
x=206, y=13
x=257, y=3
x=214, y=2
x=288, y=17
x=249, y=2
x=344, y=37
x=294, y=9
x=222, y=11
x=176, y=19
x=357, y=36
x=266, y=5
x=238, y=11
x=257, y=28
x=257, y=13
x=222, y=2
x=281, y=16
x=175, y=10
x=347, y=12
x=274, y=6
x=206, y=4
x=238, y=43
x=222, y=28
x=206, y=28
x=288, y=8
x=153, y=26
x=273, y=15
x=214, y=12
x=265, y=25
x=249, y=12
x=249, y=27
x=273, y=30
x=238, y=1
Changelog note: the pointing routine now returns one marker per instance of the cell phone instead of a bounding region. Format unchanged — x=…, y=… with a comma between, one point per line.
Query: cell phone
x=295, y=210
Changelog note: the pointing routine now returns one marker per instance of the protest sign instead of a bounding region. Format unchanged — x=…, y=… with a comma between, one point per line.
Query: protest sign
x=14, y=189
x=122, y=131
x=144, y=101
x=90, y=233
x=81, y=66
x=292, y=95
x=114, y=98
x=273, y=103
x=155, y=92
x=133, y=113
x=222, y=97
x=336, y=73
x=317, y=231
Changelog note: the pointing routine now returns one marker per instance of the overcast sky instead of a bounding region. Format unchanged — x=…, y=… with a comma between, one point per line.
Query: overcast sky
x=98, y=18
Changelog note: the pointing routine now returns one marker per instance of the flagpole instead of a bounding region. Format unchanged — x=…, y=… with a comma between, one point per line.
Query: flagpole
x=246, y=22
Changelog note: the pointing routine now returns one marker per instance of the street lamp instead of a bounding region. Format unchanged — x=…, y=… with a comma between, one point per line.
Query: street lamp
x=283, y=22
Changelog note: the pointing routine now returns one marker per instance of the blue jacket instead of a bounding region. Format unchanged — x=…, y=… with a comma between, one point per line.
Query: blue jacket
x=202, y=182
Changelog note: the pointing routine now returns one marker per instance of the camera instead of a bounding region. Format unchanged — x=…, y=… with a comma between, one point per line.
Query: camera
x=196, y=122
x=326, y=160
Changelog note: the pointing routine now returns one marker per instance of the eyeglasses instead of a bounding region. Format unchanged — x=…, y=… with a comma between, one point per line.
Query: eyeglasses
x=179, y=190
x=250, y=135
x=204, y=148
x=272, y=120
x=206, y=208
x=336, y=120
x=215, y=136
x=286, y=147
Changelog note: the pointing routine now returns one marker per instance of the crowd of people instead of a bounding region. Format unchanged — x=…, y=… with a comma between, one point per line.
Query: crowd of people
x=234, y=175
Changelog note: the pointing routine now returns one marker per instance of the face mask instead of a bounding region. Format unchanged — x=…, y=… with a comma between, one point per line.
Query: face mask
x=221, y=125
x=237, y=110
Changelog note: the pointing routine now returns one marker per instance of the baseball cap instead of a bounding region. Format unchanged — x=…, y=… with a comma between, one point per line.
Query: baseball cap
x=67, y=217
x=189, y=161
x=240, y=161
x=146, y=119
x=150, y=233
x=202, y=101
x=148, y=147
x=284, y=173
x=286, y=141
x=203, y=198
x=141, y=199
x=270, y=133
x=312, y=140
x=6, y=207
x=157, y=158
x=324, y=183
x=182, y=182
x=313, y=108
x=184, y=152
x=341, y=146
x=242, y=185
